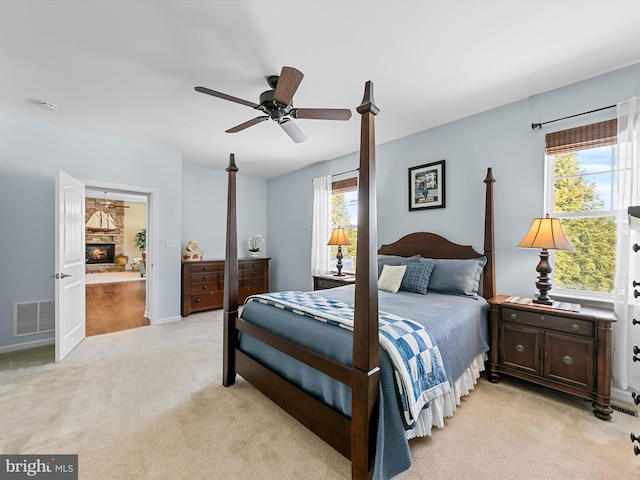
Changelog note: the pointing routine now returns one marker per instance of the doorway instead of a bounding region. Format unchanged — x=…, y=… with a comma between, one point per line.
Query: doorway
x=116, y=281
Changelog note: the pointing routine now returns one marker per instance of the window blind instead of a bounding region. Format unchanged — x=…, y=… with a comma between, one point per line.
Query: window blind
x=595, y=135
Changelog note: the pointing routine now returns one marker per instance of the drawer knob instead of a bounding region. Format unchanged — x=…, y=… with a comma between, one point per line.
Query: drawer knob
x=513, y=316
x=204, y=268
x=636, y=398
x=567, y=360
x=636, y=450
x=634, y=437
x=519, y=348
x=636, y=358
x=197, y=300
x=635, y=322
x=541, y=317
x=575, y=327
x=204, y=287
x=204, y=277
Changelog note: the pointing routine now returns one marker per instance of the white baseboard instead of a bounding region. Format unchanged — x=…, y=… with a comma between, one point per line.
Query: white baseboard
x=621, y=395
x=27, y=345
x=162, y=321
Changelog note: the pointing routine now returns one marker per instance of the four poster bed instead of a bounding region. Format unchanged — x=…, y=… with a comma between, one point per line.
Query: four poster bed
x=319, y=355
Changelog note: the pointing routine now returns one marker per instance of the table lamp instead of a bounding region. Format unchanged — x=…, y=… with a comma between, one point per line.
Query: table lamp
x=339, y=238
x=547, y=234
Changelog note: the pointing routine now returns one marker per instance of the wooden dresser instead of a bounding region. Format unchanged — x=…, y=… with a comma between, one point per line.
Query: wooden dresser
x=203, y=282
x=566, y=351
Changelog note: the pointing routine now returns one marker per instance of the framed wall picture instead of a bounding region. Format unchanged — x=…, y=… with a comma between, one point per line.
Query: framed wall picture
x=426, y=186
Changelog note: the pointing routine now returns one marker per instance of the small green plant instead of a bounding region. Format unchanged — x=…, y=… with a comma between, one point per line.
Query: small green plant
x=141, y=239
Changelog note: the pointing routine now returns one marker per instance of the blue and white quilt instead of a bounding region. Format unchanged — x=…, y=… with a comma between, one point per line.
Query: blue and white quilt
x=418, y=369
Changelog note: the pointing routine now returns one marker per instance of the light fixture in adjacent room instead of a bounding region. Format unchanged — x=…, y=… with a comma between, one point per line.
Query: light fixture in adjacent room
x=339, y=237
x=547, y=234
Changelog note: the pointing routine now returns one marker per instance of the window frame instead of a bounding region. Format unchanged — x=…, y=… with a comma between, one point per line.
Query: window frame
x=573, y=140
x=345, y=185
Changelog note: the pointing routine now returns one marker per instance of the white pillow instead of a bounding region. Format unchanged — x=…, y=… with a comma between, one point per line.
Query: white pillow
x=391, y=278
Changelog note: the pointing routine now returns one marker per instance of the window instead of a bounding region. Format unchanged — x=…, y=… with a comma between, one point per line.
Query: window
x=581, y=175
x=344, y=213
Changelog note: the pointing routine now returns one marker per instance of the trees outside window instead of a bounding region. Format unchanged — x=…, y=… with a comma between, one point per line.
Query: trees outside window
x=344, y=213
x=582, y=191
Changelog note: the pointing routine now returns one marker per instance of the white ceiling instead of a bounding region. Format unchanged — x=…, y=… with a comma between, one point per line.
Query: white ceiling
x=128, y=68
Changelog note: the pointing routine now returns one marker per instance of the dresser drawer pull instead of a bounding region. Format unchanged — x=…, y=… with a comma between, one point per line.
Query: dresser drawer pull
x=197, y=300
x=567, y=360
x=513, y=316
x=541, y=317
x=575, y=327
x=635, y=438
x=204, y=268
x=204, y=277
x=204, y=287
x=519, y=348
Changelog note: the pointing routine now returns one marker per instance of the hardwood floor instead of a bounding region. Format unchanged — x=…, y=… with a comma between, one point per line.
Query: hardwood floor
x=112, y=307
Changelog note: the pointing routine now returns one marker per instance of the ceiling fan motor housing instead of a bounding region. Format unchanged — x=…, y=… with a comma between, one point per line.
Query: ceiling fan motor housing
x=275, y=110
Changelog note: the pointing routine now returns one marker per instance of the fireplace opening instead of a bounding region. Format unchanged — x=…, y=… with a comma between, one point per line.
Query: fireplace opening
x=100, y=252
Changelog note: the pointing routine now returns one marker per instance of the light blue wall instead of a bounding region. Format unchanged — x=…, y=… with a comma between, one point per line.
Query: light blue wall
x=204, y=197
x=501, y=138
x=30, y=155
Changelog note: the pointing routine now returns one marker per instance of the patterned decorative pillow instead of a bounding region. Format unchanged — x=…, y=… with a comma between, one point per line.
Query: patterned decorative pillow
x=416, y=277
x=391, y=278
x=394, y=260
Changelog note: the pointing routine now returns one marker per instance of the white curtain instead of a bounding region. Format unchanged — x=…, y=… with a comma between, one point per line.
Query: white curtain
x=626, y=260
x=321, y=225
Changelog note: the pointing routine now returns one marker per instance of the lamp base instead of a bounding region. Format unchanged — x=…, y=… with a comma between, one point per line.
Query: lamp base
x=544, y=282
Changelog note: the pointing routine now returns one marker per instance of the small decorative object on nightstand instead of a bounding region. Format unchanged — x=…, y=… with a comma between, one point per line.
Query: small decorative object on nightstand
x=546, y=234
x=565, y=350
x=339, y=238
x=323, y=282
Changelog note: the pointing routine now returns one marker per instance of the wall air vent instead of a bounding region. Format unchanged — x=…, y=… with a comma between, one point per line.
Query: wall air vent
x=33, y=317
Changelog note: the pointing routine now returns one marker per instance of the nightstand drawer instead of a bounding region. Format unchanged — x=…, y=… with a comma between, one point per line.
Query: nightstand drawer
x=549, y=322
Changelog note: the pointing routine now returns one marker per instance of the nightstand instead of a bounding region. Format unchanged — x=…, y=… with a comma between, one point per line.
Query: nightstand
x=322, y=282
x=564, y=350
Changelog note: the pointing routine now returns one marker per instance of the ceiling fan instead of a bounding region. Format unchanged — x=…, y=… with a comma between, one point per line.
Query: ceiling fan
x=277, y=105
x=109, y=203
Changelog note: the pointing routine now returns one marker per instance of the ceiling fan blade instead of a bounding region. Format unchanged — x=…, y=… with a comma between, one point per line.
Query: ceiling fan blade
x=288, y=83
x=292, y=130
x=224, y=96
x=322, y=113
x=247, y=124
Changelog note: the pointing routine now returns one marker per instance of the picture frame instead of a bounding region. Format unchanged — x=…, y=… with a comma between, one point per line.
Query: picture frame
x=427, y=186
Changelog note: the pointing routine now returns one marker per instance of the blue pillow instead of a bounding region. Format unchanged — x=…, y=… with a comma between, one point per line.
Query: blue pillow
x=416, y=277
x=460, y=277
x=394, y=260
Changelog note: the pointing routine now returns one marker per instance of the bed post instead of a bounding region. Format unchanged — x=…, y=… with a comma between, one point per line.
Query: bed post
x=366, y=344
x=489, y=277
x=230, y=301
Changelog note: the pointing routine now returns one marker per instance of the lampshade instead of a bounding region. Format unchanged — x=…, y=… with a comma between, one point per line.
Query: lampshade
x=546, y=233
x=339, y=237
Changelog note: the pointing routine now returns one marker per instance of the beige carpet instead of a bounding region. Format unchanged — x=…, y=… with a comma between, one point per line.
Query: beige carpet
x=148, y=404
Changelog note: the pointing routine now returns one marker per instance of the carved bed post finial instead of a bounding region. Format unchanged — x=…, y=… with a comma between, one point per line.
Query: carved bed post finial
x=368, y=104
x=230, y=299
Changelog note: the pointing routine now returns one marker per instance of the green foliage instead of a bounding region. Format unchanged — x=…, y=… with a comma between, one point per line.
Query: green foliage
x=592, y=265
x=340, y=216
x=141, y=240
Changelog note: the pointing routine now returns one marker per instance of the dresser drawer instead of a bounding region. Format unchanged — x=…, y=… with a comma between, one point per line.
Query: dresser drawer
x=206, y=300
x=198, y=267
x=214, y=278
x=250, y=264
x=207, y=287
x=549, y=322
x=251, y=282
x=245, y=292
x=247, y=274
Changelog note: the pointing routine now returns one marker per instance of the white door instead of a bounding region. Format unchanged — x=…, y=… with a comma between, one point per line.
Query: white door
x=70, y=264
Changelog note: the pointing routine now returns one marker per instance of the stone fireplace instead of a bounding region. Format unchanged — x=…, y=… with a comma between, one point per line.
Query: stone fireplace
x=101, y=247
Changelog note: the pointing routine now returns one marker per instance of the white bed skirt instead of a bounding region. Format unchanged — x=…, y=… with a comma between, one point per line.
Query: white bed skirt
x=446, y=405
